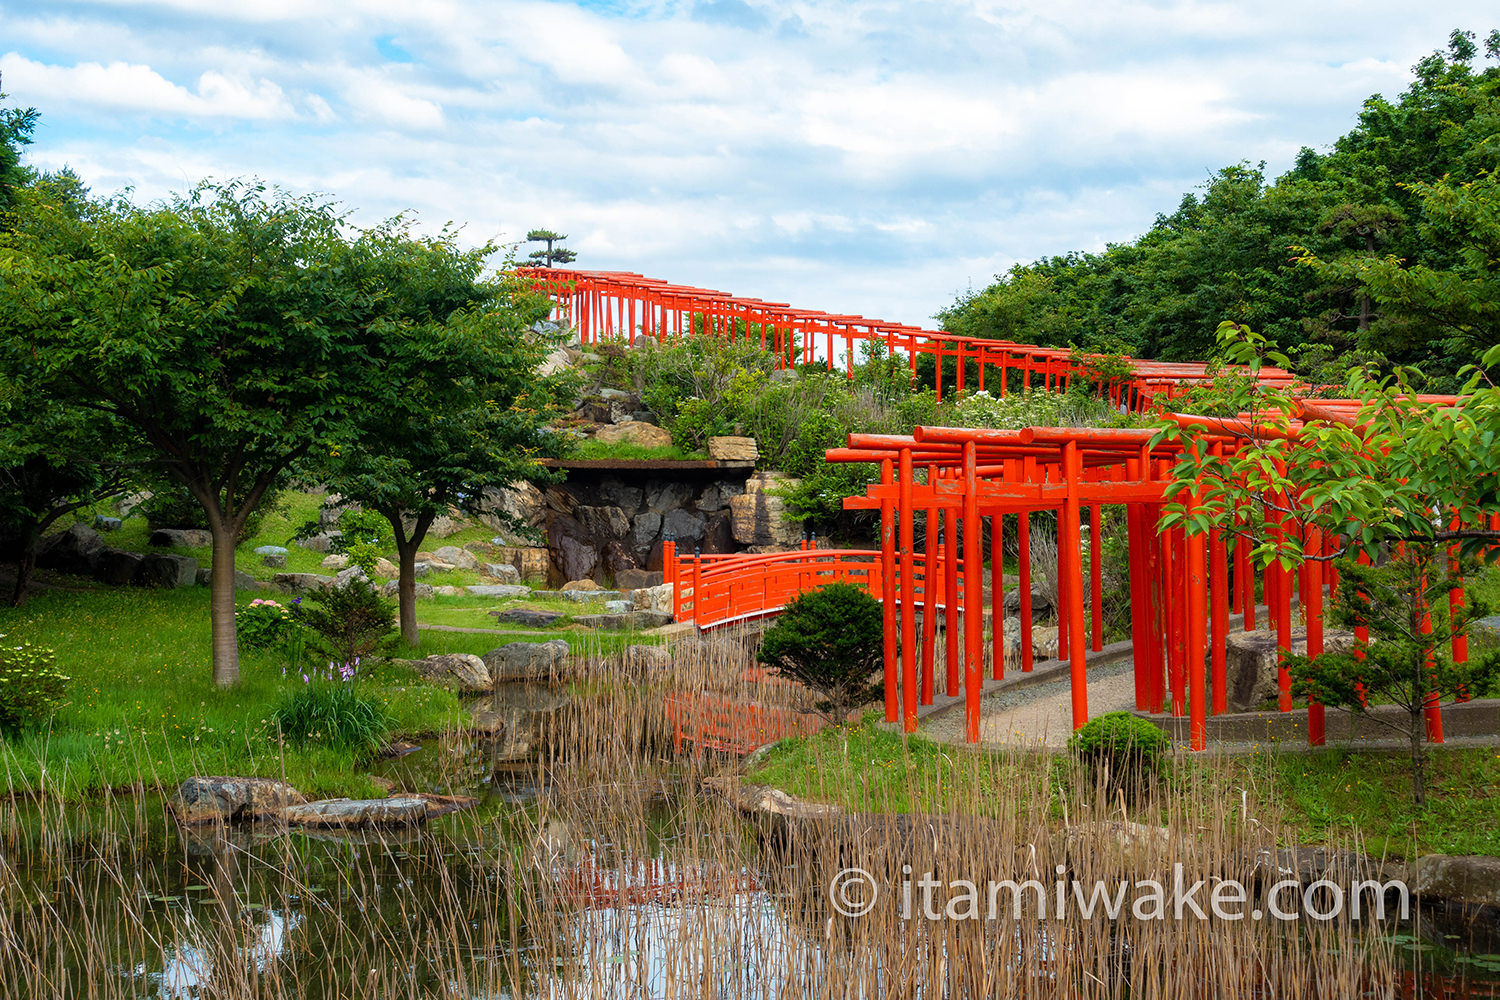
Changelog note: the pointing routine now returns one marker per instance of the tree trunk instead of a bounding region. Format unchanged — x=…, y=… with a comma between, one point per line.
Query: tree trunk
x=31, y=536
x=406, y=589
x=1418, y=786
x=221, y=603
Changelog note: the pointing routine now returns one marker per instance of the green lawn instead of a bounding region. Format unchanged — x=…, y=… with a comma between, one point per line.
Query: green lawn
x=142, y=706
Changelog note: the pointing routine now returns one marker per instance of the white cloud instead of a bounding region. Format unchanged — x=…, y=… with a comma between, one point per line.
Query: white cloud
x=120, y=86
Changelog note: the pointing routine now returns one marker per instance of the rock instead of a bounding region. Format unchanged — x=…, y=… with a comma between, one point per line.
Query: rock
x=635, y=579
x=118, y=568
x=629, y=621
x=619, y=396
x=392, y=589
x=716, y=496
x=162, y=569
x=576, y=596
x=581, y=585
x=386, y=569
x=335, y=562
x=418, y=570
x=668, y=495
x=526, y=617
x=616, y=493
x=733, y=449
x=465, y=669
x=758, y=516
x=270, y=550
x=457, y=557
x=318, y=543
x=571, y=548
x=616, y=607
x=646, y=661
x=645, y=530
x=657, y=598
x=1251, y=668
x=504, y=572
x=1041, y=604
x=645, y=417
x=501, y=590
x=180, y=538
x=684, y=526
x=299, y=583
x=718, y=533
x=604, y=522
x=557, y=360
x=518, y=661
x=102, y=523
x=204, y=577
x=75, y=550
x=244, y=581
x=348, y=576
x=347, y=814
x=532, y=561
x=232, y=800
x=1118, y=846
x=1469, y=880
x=635, y=432
x=275, y=560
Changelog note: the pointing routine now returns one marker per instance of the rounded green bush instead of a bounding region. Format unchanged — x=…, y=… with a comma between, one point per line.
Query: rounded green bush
x=31, y=687
x=1124, y=747
x=831, y=640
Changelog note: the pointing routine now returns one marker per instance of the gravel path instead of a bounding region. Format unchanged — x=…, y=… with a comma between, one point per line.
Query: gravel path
x=1041, y=715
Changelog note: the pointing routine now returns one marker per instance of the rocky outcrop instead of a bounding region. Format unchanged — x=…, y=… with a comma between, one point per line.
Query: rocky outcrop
x=758, y=517
x=527, y=661
x=465, y=671
x=232, y=800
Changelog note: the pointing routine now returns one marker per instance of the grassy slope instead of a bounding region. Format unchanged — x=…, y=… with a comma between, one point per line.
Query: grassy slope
x=1322, y=796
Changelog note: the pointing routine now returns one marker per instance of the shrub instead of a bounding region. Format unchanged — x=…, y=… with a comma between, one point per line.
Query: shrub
x=1122, y=750
x=263, y=624
x=831, y=640
x=31, y=687
x=172, y=506
x=349, y=622
x=330, y=709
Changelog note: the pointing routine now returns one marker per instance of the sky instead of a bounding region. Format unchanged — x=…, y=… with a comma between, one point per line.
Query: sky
x=875, y=158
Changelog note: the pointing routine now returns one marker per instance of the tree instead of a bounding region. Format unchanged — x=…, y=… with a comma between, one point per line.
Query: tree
x=236, y=330
x=1407, y=661
x=16, y=126
x=550, y=256
x=831, y=640
x=459, y=407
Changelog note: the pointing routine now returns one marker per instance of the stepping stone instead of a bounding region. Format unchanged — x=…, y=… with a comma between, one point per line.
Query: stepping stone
x=498, y=590
x=531, y=619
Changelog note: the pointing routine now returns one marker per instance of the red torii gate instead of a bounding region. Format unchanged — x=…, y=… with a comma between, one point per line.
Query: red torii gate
x=605, y=305
x=1183, y=588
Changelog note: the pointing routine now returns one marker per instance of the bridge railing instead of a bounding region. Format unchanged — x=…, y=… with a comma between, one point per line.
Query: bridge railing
x=717, y=590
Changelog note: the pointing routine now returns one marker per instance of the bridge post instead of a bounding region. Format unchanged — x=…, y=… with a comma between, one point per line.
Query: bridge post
x=930, y=588
x=1072, y=520
x=888, y=590
x=908, y=598
x=997, y=594
x=1312, y=602
x=973, y=597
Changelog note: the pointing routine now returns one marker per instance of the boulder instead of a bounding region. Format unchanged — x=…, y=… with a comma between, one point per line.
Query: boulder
x=556, y=360
x=102, y=523
x=617, y=493
x=657, y=598
x=335, y=562
x=270, y=550
x=392, y=589
x=757, y=517
x=448, y=591
x=646, y=661
x=500, y=590
x=418, y=570
x=584, y=584
x=527, y=617
x=572, y=550
x=718, y=533
x=1041, y=604
x=204, y=577
x=465, y=670
x=75, y=550
x=1468, y=880
x=348, y=575
x=576, y=596
x=504, y=572
x=299, y=583
x=635, y=579
x=457, y=557
x=616, y=607
x=1250, y=663
x=244, y=581
x=684, y=526
x=668, y=495
x=318, y=543
x=117, y=568
x=625, y=622
x=733, y=449
x=275, y=560
x=644, y=530
x=532, y=561
x=232, y=800
x=386, y=569
x=180, y=538
x=164, y=569
x=348, y=814
x=519, y=661
x=715, y=497
x=636, y=432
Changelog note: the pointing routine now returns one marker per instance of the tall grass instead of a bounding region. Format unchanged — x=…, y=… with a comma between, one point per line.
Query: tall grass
x=618, y=875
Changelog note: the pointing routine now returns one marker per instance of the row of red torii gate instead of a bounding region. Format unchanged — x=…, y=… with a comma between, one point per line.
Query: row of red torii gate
x=1183, y=588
